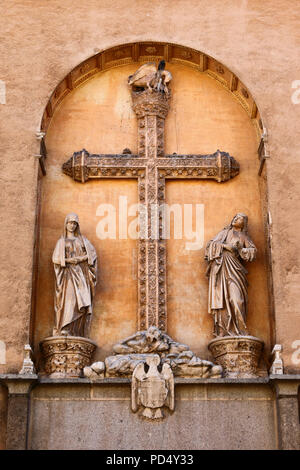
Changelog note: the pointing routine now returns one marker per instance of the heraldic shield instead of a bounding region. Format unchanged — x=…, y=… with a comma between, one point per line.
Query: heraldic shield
x=152, y=387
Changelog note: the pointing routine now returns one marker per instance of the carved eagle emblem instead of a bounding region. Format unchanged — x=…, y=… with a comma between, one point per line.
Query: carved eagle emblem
x=152, y=387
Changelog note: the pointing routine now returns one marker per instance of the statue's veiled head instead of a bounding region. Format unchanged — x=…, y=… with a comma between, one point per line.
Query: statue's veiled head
x=72, y=224
x=240, y=221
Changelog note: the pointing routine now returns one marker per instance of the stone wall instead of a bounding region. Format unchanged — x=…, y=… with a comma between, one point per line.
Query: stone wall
x=206, y=416
x=3, y=416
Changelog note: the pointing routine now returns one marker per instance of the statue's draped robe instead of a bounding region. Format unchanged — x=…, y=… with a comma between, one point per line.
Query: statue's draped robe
x=228, y=297
x=74, y=285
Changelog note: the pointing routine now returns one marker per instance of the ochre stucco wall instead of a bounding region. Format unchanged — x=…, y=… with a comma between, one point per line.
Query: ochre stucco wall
x=98, y=116
x=42, y=42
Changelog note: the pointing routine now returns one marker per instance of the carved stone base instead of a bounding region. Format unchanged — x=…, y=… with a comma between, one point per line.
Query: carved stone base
x=66, y=356
x=238, y=355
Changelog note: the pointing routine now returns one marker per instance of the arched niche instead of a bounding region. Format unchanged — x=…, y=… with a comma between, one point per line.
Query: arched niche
x=153, y=51
x=210, y=109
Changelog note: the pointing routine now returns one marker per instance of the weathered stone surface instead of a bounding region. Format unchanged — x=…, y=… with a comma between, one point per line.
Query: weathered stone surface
x=140, y=346
x=289, y=433
x=3, y=416
x=96, y=370
x=288, y=408
x=17, y=422
x=198, y=423
x=18, y=404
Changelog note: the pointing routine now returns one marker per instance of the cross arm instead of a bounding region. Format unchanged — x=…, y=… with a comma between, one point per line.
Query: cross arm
x=219, y=166
x=83, y=166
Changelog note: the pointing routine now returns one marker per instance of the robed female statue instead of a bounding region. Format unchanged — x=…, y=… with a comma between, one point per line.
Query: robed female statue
x=75, y=266
x=228, y=293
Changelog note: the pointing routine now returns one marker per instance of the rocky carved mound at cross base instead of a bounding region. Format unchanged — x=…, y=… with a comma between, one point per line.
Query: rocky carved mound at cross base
x=136, y=348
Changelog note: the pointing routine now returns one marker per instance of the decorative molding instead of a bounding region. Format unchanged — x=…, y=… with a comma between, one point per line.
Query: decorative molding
x=144, y=52
x=83, y=166
x=219, y=77
x=43, y=151
x=263, y=151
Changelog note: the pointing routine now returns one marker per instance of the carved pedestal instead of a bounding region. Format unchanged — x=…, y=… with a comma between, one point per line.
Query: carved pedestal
x=66, y=356
x=238, y=355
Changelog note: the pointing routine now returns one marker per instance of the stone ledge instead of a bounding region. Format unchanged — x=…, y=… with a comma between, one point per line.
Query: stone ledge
x=284, y=377
x=178, y=380
x=286, y=386
x=18, y=384
x=18, y=377
x=225, y=380
x=119, y=380
x=106, y=380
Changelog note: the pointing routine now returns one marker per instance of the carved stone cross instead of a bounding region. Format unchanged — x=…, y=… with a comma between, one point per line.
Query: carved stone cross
x=151, y=168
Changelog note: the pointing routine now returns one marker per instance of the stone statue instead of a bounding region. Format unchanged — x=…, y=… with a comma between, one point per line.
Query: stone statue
x=75, y=266
x=148, y=78
x=152, y=387
x=277, y=364
x=143, y=344
x=228, y=296
x=147, y=341
x=28, y=365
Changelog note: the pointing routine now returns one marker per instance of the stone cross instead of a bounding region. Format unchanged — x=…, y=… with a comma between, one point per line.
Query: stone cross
x=151, y=167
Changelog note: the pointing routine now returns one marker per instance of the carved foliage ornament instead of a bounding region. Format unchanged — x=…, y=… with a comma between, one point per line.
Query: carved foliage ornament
x=238, y=355
x=67, y=356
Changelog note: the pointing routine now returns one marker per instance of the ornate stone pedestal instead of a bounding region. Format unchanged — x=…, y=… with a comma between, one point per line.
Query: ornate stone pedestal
x=66, y=356
x=238, y=355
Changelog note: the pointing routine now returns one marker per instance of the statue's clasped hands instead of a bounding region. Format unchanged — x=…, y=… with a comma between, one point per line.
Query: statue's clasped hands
x=77, y=259
x=232, y=248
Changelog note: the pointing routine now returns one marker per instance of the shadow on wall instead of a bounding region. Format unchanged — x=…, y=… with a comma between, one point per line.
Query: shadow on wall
x=299, y=403
x=3, y=416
